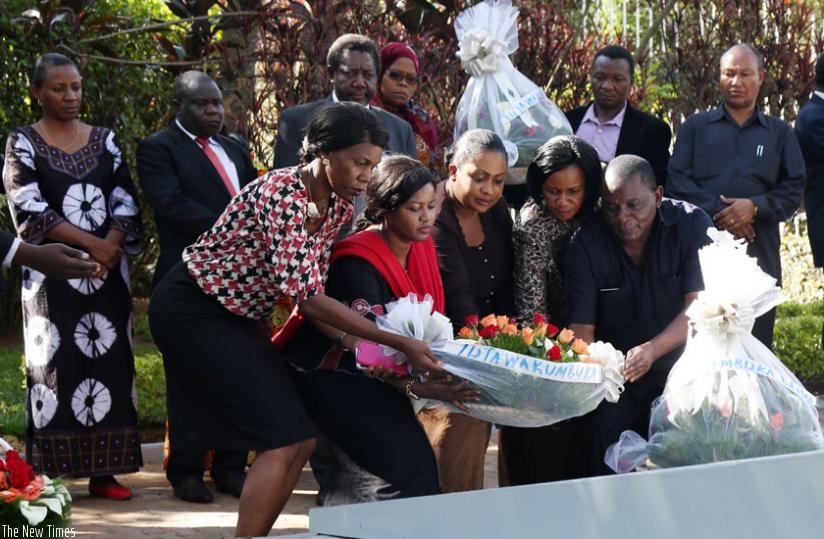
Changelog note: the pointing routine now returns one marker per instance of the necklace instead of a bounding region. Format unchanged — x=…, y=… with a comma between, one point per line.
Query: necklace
x=49, y=139
x=313, y=213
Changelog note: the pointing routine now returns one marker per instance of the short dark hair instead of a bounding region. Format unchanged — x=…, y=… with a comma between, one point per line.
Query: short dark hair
x=473, y=142
x=352, y=42
x=617, y=52
x=186, y=81
x=46, y=62
x=629, y=166
x=395, y=180
x=559, y=153
x=340, y=125
x=819, y=71
x=750, y=47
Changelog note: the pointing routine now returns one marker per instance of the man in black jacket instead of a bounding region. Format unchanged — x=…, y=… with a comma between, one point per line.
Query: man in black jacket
x=189, y=173
x=611, y=124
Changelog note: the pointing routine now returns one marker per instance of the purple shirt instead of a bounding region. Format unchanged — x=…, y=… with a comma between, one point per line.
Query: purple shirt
x=603, y=136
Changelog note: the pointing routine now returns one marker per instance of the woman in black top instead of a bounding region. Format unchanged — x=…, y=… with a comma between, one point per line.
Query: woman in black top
x=473, y=236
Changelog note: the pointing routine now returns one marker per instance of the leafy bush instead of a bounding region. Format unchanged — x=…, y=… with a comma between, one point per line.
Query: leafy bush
x=797, y=340
x=151, y=387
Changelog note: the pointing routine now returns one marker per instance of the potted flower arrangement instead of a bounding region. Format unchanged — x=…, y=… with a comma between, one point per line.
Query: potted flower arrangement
x=28, y=500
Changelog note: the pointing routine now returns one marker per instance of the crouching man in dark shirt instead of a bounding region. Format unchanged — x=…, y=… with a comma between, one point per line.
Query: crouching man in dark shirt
x=631, y=272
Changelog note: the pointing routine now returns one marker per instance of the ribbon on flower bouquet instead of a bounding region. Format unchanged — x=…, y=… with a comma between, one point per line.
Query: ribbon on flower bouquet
x=481, y=54
x=612, y=361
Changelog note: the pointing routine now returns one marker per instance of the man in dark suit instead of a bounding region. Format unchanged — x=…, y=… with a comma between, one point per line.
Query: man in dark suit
x=809, y=128
x=189, y=173
x=611, y=124
x=353, y=63
x=55, y=260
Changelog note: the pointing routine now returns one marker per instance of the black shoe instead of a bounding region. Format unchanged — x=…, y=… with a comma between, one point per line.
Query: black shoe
x=230, y=482
x=194, y=490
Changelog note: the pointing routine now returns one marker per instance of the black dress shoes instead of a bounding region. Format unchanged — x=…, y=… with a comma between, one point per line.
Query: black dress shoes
x=194, y=490
x=230, y=482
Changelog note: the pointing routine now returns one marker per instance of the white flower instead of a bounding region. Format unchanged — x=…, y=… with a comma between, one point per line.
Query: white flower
x=94, y=334
x=91, y=402
x=42, y=341
x=43, y=405
x=85, y=206
x=32, y=282
x=88, y=285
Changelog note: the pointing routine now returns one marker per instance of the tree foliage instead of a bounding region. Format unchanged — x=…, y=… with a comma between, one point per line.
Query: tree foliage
x=270, y=54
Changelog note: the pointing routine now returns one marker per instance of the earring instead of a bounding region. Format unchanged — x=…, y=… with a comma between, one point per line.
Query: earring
x=325, y=161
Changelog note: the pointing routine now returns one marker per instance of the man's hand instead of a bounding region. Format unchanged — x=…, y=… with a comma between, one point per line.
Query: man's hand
x=639, y=360
x=737, y=218
x=56, y=260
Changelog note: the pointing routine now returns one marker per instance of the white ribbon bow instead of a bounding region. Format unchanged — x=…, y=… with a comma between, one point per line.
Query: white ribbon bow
x=479, y=52
x=611, y=360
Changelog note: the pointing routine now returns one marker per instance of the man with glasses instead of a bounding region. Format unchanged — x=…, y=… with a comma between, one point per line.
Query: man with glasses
x=611, y=124
x=353, y=64
x=631, y=272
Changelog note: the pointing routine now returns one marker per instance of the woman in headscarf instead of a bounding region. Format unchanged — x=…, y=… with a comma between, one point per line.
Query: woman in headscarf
x=399, y=80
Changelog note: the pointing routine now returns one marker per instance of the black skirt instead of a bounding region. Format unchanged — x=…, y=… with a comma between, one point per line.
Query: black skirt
x=227, y=387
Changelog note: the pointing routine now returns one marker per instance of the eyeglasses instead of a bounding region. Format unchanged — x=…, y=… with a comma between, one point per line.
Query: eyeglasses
x=397, y=76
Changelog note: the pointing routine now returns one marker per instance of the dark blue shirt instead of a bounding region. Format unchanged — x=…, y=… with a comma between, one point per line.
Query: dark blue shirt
x=760, y=160
x=628, y=304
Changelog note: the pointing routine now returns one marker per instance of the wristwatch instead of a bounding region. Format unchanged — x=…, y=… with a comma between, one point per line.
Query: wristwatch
x=754, y=208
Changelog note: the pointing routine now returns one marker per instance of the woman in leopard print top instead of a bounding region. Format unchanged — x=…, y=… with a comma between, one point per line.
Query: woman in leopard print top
x=563, y=181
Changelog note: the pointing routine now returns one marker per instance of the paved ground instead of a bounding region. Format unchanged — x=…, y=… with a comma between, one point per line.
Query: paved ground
x=155, y=512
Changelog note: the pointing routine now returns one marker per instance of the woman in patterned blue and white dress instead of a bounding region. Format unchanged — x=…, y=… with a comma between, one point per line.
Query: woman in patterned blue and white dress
x=68, y=182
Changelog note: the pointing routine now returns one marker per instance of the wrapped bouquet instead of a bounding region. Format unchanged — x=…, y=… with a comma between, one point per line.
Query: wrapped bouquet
x=528, y=377
x=498, y=97
x=728, y=397
x=28, y=500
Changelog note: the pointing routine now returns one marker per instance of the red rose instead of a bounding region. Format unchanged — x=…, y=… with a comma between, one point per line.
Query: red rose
x=20, y=474
x=551, y=330
x=538, y=319
x=471, y=320
x=488, y=332
x=554, y=353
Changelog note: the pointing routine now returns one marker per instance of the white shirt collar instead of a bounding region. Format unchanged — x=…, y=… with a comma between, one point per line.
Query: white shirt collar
x=190, y=135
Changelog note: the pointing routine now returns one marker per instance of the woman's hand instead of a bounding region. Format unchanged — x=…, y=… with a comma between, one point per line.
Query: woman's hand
x=105, y=252
x=442, y=389
x=421, y=357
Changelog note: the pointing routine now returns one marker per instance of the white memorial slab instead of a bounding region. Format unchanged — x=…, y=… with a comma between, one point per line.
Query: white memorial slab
x=771, y=498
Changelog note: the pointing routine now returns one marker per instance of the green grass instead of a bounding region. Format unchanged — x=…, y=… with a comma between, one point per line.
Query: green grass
x=12, y=393
x=151, y=390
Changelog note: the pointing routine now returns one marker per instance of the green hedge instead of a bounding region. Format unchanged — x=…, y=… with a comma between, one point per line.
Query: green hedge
x=797, y=340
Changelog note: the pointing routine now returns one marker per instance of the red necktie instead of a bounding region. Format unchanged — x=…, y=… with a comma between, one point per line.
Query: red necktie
x=210, y=153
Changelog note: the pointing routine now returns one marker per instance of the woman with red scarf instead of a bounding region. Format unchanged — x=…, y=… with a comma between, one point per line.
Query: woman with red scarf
x=399, y=79
x=370, y=418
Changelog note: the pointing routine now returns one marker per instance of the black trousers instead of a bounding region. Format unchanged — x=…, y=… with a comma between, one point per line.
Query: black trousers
x=543, y=454
x=764, y=327
x=185, y=464
x=603, y=426
x=375, y=425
